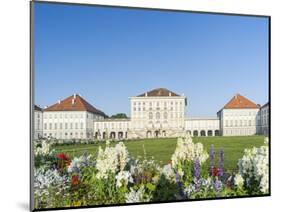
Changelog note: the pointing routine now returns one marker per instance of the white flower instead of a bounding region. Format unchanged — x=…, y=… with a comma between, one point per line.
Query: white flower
x=44, y=179
x=123, y=178
x=137, y=196
x=238, y=180
x=254, y=166
x=168, y=172
x=78, y=163
x=111, y=159
x=186, y=150
x=44, y=149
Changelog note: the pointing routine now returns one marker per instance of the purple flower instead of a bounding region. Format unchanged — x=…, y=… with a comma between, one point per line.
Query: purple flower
x=196, y=169
x=180, y=186
x=212, y=155
x=221, y=165
x=178, y=177
x=217, y=185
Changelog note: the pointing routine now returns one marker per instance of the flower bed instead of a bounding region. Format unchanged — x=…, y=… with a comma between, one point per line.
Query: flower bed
x=113, y=177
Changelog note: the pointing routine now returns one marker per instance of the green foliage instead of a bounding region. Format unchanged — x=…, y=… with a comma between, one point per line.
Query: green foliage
x=163, y=148
x=119, y=116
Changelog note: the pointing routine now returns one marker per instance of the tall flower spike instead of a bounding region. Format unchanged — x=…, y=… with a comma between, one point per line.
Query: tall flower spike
x=212, y=156
x=221, y=161
x=196, y=169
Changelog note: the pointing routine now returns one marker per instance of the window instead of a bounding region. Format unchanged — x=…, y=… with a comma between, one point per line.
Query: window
x=157, y=115
x=45, y=126
x=76, y=125
x=50, y=126
x=55, y=126
x=165, y=115
x=81, y=125
x=65, y=126
x=250, y=122
x=226, y=123
x=150, y=115
x=70, y=125
x=61, y=126
x=236, y=123
x=231, y=123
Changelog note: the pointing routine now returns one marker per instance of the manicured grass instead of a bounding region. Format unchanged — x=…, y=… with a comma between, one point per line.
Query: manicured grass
x=162, y=149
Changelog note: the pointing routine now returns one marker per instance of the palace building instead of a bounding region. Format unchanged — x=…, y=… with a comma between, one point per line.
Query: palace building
x=156, y=113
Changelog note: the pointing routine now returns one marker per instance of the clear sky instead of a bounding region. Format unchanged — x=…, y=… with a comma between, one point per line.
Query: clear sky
x=108, y=55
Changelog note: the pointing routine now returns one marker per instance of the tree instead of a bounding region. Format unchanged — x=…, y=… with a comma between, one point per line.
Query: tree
x=119, y=116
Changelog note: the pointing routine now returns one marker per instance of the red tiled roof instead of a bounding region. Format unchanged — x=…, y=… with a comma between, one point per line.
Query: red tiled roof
x=240, y=102
x=159, y=92
x=74, y=103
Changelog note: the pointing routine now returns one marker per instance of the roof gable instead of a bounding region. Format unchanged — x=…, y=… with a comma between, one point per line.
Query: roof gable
x=74, y=103
x=37, y=108
x=240, y=102
x=158, y=92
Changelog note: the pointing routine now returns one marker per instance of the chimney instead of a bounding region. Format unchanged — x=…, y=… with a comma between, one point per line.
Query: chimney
x=59, y=101
x=170, y=94
x=73, y=101
x=146, y=94
x=46, y=107
x=74, y=96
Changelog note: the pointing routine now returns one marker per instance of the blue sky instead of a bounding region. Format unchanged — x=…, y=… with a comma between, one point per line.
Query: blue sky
x=108, y=55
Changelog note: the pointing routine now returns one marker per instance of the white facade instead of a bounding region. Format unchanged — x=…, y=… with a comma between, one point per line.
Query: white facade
x=153, y=116
x=157, y=113
x=69, y=124
x=236, y=122
x=38, y=123
x=209, y=126
x=112, y=128
x=264, y=118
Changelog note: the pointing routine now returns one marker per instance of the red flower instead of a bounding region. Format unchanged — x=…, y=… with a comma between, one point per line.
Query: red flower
x=215, y=171
x=65, y=160
x=74, y=180
x=62, y=156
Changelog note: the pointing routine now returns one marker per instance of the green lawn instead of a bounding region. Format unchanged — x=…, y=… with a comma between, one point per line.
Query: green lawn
x=162, y=149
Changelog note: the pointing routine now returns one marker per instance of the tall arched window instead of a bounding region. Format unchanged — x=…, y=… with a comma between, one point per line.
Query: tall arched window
x=157, y=115
x=150, y=115
x=165, y=115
